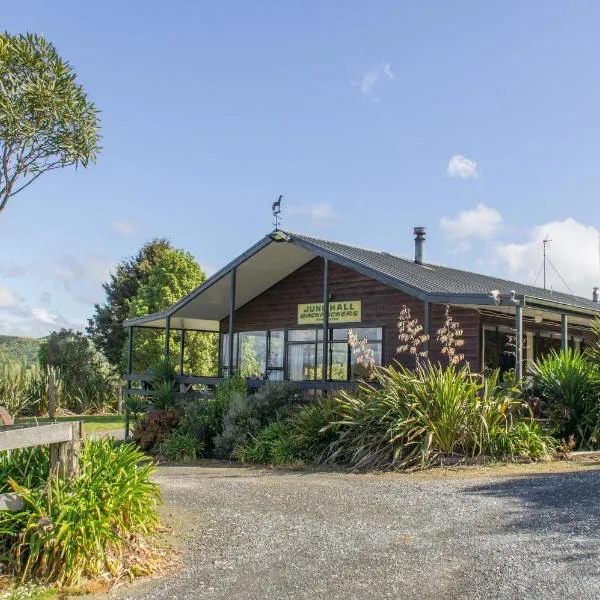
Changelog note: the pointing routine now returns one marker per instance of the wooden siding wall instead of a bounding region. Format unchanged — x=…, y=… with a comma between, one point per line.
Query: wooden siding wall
x=277, y=308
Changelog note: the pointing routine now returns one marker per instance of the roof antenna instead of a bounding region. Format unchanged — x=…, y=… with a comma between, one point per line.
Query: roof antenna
x=546, y=241
x=276, y=208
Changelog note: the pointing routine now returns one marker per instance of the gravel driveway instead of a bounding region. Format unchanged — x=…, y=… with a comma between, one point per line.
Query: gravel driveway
x=256, y=534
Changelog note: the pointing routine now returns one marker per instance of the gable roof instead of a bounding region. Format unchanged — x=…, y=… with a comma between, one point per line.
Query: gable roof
x=439, y=282
x=280, y=253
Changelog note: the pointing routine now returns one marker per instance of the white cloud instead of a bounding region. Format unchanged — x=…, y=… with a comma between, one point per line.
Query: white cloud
x=123, y=226
x=368, y=80
x=8, y=300
x=460, y=166
x=43, y=315
x=320, y=213
x=480, y=222
x=573, y=251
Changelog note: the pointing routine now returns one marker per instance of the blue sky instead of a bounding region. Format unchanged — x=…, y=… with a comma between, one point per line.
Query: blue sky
x=479, y=120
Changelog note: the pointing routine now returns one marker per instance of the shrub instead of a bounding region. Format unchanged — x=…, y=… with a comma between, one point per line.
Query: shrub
x=410, y=419
x=568, y=386
x=525, y=439
x=29, y=466
x=239, y=422
x=274, y=444
x=83, y=527
x=275, y=401
x=311, y=431
x=181, y=446
x=153, y=429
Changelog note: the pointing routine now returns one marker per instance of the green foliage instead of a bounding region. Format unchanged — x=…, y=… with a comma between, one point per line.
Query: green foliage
x=311, y=431
x=78, y=528
x=274, y=444
x=19, y=349
x=569, y=386
x=90, y=385
x=275, y=401
x=592, y=353
x=46, y=120
x=525, y=439
x=181, y=446
x=153, y=429
x=29, y=592
x=24, y=389
x=29, y=466
x=411, y=419
x=174, y=274
x=105, y=327
x=239, y=422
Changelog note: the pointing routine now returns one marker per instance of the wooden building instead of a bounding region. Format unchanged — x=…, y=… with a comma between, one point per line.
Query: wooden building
x=283, y=310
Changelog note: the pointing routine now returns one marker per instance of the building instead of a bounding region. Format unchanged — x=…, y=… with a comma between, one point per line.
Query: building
x=284, y=307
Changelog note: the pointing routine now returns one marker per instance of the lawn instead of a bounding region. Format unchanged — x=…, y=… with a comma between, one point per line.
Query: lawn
x=91, y=422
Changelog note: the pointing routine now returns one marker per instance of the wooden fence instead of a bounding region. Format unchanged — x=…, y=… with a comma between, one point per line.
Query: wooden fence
x=64, y=440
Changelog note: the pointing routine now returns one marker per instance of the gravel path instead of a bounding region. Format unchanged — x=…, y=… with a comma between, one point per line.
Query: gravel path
x=272, y=535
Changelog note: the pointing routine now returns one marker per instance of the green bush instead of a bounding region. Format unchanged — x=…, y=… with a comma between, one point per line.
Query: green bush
x=79, y=528
x=29, y=466
x=569, y=387
x=311, y=431
x=524, y=439
x=411, y=419
x=274, y=444
x=239, y=422
x=247, y=415
x=181, y=446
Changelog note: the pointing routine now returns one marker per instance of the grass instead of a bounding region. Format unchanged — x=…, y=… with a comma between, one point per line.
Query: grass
x=92, y=423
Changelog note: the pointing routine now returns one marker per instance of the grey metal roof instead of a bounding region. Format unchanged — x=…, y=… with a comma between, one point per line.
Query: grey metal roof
x=435, y=280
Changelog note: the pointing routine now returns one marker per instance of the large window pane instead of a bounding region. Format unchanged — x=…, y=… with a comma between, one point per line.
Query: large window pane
x=305, y=362
x=359, y=369
x=253, y=353
x=302, y=335
x=338, y=361
x=276, y=349
x=372, y=334
x=225, y=349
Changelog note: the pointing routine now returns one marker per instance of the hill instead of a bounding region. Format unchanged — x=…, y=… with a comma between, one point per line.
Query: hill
x=19, y=348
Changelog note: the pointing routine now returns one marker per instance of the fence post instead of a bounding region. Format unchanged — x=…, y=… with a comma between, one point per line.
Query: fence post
x=59, y=457
x=51, y=397
x=75, y=449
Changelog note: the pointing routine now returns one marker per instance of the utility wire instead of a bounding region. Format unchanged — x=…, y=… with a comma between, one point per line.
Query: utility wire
x=538, y=273
x=561, y=278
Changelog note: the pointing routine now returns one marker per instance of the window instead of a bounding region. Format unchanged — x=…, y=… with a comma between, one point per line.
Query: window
x=256, y=354
x=305, y=354
x=266, y=355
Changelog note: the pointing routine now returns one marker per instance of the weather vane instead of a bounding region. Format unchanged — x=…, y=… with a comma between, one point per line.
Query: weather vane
x=276, y=212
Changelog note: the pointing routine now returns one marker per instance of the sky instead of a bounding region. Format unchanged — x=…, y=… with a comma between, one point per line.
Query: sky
x=477, y=120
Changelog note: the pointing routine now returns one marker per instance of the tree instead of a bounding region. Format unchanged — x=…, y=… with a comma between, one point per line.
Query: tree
x=105, y=327
x=46, y=120
x=85, y=374
x=175, y=274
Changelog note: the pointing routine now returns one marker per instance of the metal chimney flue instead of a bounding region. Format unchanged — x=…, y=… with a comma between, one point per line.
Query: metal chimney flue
x=419, y=245
x=595, y=295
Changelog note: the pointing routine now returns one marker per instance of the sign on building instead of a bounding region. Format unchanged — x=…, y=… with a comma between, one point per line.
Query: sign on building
x=348, y=311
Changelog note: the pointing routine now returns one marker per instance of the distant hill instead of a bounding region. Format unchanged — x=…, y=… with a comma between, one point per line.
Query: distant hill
x=19, y=348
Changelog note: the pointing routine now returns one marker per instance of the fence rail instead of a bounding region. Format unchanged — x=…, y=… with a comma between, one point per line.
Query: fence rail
x=64, y=440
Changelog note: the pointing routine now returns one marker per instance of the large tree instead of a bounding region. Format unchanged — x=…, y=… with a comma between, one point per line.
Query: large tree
x=105, y=327
x=87, y=378
x=175, y=274
x=46, y=119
